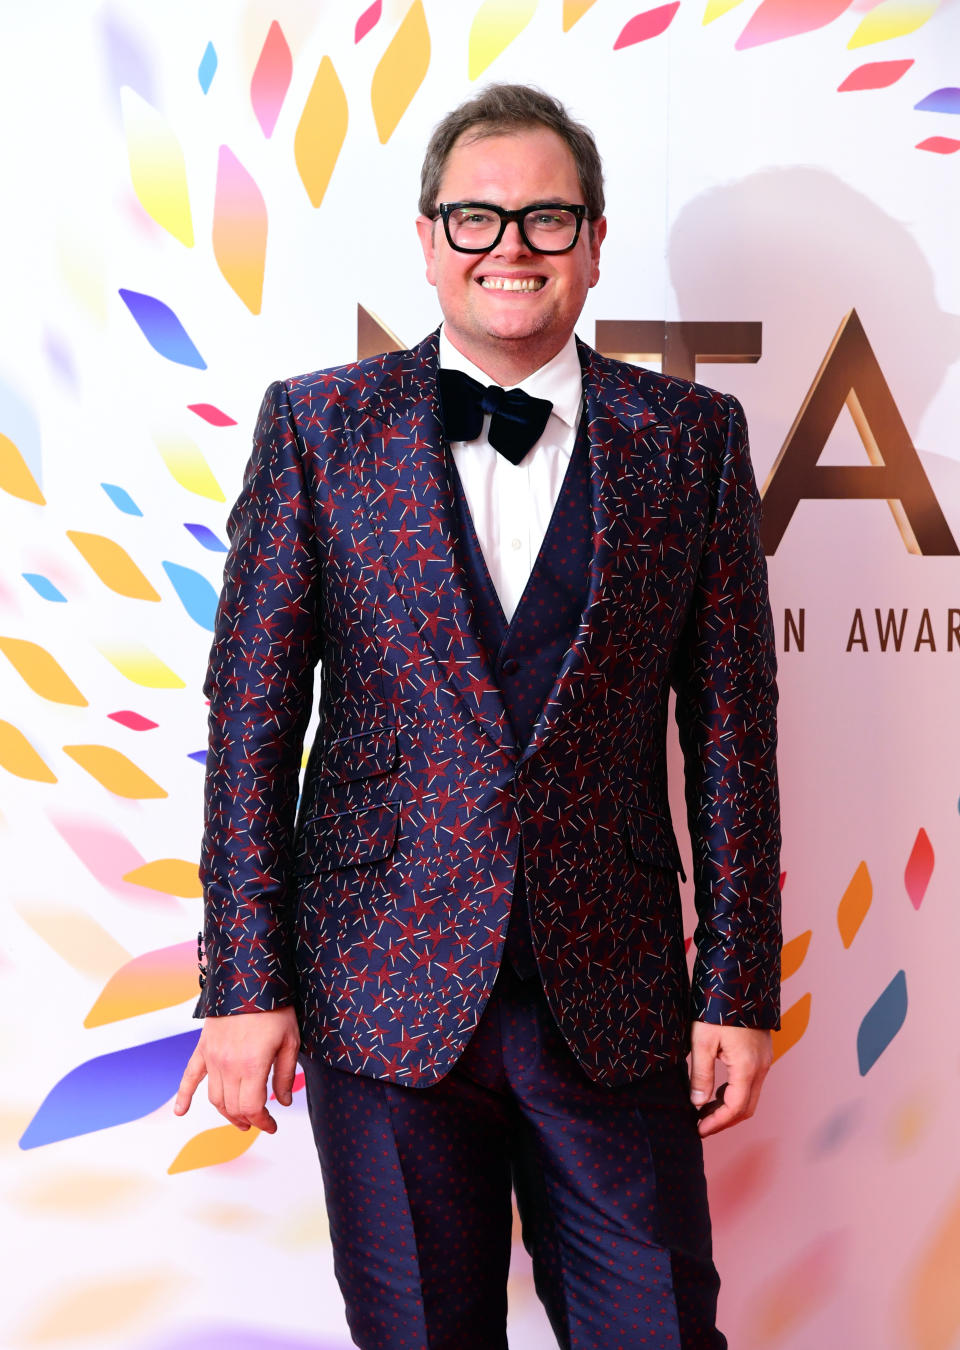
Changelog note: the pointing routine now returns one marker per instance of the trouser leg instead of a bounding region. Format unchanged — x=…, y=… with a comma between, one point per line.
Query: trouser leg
x=417, y=1185
x=611, y=1193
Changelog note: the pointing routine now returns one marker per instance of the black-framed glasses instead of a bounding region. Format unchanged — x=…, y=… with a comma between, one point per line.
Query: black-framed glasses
x=545, y=227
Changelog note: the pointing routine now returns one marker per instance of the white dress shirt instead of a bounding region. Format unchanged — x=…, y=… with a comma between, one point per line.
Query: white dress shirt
x=511, y=504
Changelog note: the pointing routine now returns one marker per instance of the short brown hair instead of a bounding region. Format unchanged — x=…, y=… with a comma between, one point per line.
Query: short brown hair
x=506, y=108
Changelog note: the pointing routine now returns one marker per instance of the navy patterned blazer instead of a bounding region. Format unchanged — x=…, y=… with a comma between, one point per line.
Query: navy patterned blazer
x=382, y=911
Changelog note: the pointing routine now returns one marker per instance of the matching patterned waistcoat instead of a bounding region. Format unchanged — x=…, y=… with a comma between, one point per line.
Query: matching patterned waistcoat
x=525, y=655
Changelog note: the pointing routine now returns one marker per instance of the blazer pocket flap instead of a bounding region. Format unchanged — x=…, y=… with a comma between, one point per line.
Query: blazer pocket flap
x=650, y=841
x=348, y=838
x=361, y=756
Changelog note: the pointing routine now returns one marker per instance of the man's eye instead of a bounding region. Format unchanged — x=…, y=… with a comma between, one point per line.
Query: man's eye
x=546, y=220
x=474, y=217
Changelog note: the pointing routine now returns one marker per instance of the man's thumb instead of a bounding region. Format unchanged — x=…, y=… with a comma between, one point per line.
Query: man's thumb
x=701, y=1077
x=284, y=1070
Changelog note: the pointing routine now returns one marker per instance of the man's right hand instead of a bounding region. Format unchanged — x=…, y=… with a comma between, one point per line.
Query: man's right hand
x=235, y=1055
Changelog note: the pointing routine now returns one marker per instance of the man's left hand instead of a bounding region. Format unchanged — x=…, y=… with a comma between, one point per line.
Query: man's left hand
x=746, y=1053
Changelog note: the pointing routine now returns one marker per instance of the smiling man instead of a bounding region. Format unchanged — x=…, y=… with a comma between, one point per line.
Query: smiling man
x=507, y=304
x=502, y=549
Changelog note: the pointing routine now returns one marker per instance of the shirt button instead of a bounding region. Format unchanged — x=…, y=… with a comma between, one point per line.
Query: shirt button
x=510, y=666
x=516, y=544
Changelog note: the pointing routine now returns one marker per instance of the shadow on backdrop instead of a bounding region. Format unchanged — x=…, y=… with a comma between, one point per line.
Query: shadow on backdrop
x=797, y=248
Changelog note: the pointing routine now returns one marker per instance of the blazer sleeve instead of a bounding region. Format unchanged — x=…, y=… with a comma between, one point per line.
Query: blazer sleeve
x=259, y=683
x=725, y=678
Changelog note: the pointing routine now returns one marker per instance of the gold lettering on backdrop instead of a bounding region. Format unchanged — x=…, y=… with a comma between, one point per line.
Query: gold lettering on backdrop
x=850, y=374
x=374, y=337
x=679, y=346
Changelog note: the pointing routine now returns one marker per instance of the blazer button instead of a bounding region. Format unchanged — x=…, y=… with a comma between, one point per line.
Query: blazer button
x=510, y=666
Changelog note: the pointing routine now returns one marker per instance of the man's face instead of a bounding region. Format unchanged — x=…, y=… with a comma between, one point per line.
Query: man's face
x=483, y=315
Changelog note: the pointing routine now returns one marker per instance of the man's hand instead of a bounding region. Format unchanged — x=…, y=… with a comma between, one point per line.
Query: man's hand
x=747, y=1054
x=235, y=1054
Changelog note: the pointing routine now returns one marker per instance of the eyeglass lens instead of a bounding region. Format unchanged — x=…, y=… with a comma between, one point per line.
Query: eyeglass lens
x=547, y=229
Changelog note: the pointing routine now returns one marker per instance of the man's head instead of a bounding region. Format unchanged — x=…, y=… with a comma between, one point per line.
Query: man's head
x=511, y=306
x=502, y=110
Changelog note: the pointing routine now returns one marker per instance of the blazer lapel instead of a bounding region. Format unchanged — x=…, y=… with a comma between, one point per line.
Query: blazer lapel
x=620, y=425
x=406, y=488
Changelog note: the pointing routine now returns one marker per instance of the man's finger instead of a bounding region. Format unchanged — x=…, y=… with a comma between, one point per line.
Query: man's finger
x=223, y=1099
x=736, y=1095
x=193, y=1076
x=703, y=1064
x=714, y=1120
x=233, y=1104
x=284, y=1072
x=252, y=1104
x=756, y=1083
x=215, y=1089
x=262, y=1120
x=732, y=1105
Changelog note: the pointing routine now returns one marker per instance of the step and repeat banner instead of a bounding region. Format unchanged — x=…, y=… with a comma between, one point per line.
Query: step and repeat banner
x=202, y=197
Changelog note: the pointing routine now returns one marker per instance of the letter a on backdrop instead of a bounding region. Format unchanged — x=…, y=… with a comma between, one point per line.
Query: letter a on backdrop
x=851, y=375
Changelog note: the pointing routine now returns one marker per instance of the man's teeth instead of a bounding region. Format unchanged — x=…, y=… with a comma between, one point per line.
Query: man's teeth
x=512, y=283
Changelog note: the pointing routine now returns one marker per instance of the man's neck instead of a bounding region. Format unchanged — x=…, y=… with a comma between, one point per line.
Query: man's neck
x=507, y=363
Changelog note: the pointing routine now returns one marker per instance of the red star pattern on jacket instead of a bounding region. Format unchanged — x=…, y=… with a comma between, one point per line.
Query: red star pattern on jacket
x=381, y=911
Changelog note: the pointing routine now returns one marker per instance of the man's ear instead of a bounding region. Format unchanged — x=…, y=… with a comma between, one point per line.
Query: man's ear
x=425, y=229
x=598, y=231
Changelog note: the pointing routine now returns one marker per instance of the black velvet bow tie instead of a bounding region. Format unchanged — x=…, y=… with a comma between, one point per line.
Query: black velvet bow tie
x=516, y=420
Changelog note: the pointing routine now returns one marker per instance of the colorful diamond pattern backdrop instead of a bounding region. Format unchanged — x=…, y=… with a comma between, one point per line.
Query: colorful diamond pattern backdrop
x=201, y=199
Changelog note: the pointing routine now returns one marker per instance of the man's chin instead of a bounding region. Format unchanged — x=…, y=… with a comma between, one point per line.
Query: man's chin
x=518, y=332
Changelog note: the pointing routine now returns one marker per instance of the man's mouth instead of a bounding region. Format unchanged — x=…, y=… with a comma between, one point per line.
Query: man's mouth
x=492, y=283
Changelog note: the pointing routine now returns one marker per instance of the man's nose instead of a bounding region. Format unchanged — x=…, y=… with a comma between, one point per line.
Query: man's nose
x=511, y=243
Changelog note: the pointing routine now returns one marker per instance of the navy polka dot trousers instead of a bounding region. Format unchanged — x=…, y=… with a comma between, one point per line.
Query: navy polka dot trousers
x=609, y=1184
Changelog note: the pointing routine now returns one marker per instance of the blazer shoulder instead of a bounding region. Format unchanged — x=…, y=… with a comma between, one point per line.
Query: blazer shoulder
x=357, y=383
x=671, y=398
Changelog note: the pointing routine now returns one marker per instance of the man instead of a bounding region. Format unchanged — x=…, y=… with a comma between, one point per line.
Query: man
x=477, y=916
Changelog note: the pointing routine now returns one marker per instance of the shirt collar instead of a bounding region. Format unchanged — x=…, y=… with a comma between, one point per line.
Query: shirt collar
x=560, y=380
